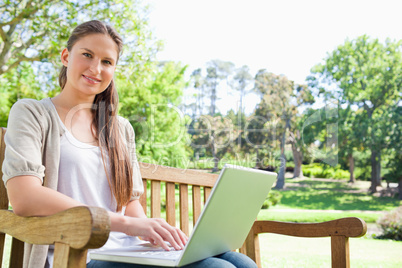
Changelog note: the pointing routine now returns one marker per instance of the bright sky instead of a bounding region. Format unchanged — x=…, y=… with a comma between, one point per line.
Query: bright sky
x=283, y=36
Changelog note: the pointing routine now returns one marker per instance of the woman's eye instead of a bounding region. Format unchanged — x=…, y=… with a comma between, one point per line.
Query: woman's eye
x=86, y=55
x=107, y=62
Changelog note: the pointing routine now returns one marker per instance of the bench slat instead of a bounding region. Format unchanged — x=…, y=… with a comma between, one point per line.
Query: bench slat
x=155, y=199
x=196, y=203
x=170, y=203
x=184, y=221
x=176, y=175
x=143, y=197
x=17, y=253
x=207, y=192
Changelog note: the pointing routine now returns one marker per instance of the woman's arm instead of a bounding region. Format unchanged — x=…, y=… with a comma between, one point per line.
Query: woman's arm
x=134, y=209
x=29, y=198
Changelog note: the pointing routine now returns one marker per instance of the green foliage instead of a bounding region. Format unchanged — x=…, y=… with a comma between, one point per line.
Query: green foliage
x=366, y=74
x=16, y=84
x=273, y=198
x=391, y=225
x=318, y=170
x=151, y=106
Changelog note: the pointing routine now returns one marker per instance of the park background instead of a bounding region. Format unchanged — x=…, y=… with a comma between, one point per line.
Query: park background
x=309, y=89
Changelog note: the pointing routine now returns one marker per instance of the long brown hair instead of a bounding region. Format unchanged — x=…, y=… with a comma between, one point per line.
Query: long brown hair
x=105, y=121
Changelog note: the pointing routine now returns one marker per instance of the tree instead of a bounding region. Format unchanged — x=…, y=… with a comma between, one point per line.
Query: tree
x=368, y=75
x=217, y=71
x=242, y=79
x=215, y=133
x=277, y=91
x=152, y=109
x=303, y=97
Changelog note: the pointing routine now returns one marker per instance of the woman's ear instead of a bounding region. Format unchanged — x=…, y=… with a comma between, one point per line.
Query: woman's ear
x=64, y=57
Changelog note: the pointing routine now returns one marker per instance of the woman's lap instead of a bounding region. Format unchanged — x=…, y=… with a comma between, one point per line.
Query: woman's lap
x=226, y=260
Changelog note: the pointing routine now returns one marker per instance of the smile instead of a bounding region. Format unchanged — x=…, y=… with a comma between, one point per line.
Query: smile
x=91, y=80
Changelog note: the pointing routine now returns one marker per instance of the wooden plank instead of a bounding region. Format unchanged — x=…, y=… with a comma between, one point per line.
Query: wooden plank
x=196, y=203
x=349, y=227
x=176, y=175
x=17, y=253
x=143, y=197
x=155, y=199
x=61, y=252
x=3, y=191
x=184, y=221
x=170, y=203
x=340, y=251
x=207, y=192
x=251, y=247
x=77, y=258
x=91, y=227
x=2, y=245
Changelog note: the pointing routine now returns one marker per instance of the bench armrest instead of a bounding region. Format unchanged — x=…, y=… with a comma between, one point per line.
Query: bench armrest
x=339, y=230
x=79, y=227
x=349, y=227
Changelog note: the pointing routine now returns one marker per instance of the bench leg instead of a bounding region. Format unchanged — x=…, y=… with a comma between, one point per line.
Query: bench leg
x=251, y=247
x=340, y=252
x=66, y=257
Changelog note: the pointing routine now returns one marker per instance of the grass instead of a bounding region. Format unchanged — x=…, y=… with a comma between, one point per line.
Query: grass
x=314, y=216
x=333, y=195
x=285, y=251
x=318, y=200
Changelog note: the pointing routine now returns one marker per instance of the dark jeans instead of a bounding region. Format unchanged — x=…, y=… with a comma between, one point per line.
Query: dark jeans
x=226, y=260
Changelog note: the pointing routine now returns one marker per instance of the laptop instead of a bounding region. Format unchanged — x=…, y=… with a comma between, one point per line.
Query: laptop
x=223, y=225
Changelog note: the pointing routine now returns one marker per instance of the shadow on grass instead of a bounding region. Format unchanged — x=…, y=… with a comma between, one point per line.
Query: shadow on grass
x=310, y=194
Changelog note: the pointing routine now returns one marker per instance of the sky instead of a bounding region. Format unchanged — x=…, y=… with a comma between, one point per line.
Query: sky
x=284, y=36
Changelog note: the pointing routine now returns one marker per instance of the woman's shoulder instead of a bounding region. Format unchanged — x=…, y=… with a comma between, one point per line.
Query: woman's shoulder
x=31, y=106
x=125, y=127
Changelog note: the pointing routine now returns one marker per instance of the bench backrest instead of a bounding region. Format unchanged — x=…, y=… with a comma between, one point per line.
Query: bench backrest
x=158, y=177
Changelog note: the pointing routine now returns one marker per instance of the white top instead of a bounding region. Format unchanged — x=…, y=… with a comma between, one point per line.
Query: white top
x=82, y=176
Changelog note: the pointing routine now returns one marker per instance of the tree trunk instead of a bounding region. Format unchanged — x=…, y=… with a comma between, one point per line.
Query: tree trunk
x=257, y=160
x=400, y=188
x=298, y=159
x=375, y=170
x=280, y=182
x=351, y=168
x=214, y=155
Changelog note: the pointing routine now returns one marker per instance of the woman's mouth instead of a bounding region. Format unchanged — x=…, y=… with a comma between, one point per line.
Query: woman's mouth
x=91, y=80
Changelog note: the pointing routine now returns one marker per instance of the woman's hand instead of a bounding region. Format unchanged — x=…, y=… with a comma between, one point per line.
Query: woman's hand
x=156, y=231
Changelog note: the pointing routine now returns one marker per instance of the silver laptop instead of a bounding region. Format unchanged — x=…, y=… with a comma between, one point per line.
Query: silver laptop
x=223, y=225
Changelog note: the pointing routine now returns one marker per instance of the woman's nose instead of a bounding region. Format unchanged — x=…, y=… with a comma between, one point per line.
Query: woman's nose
x=95, y=66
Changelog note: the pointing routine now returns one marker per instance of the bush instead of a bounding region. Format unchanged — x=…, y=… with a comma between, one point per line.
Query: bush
x=391, y=225
x=318, y=170
x=272, y=199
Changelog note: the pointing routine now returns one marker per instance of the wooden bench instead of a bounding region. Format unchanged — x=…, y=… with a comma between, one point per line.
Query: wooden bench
x=75, y=230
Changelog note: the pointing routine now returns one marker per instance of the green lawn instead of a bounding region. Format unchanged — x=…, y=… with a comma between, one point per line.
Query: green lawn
x=284, y=251
x=314, y=216
x=333, y=195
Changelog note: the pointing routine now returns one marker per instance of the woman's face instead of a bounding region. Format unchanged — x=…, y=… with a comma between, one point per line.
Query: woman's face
x=90, y=63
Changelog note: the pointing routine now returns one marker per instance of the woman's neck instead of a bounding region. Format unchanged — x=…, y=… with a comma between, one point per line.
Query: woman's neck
x=67, y=101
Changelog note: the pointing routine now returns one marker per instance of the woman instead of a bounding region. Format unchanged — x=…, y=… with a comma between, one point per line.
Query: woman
x=73, y=150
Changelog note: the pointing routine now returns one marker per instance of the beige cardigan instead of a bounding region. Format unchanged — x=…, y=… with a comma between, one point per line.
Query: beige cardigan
x=33, y=148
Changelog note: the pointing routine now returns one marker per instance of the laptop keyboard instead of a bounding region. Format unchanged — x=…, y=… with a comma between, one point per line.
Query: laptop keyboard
x=162, y=254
